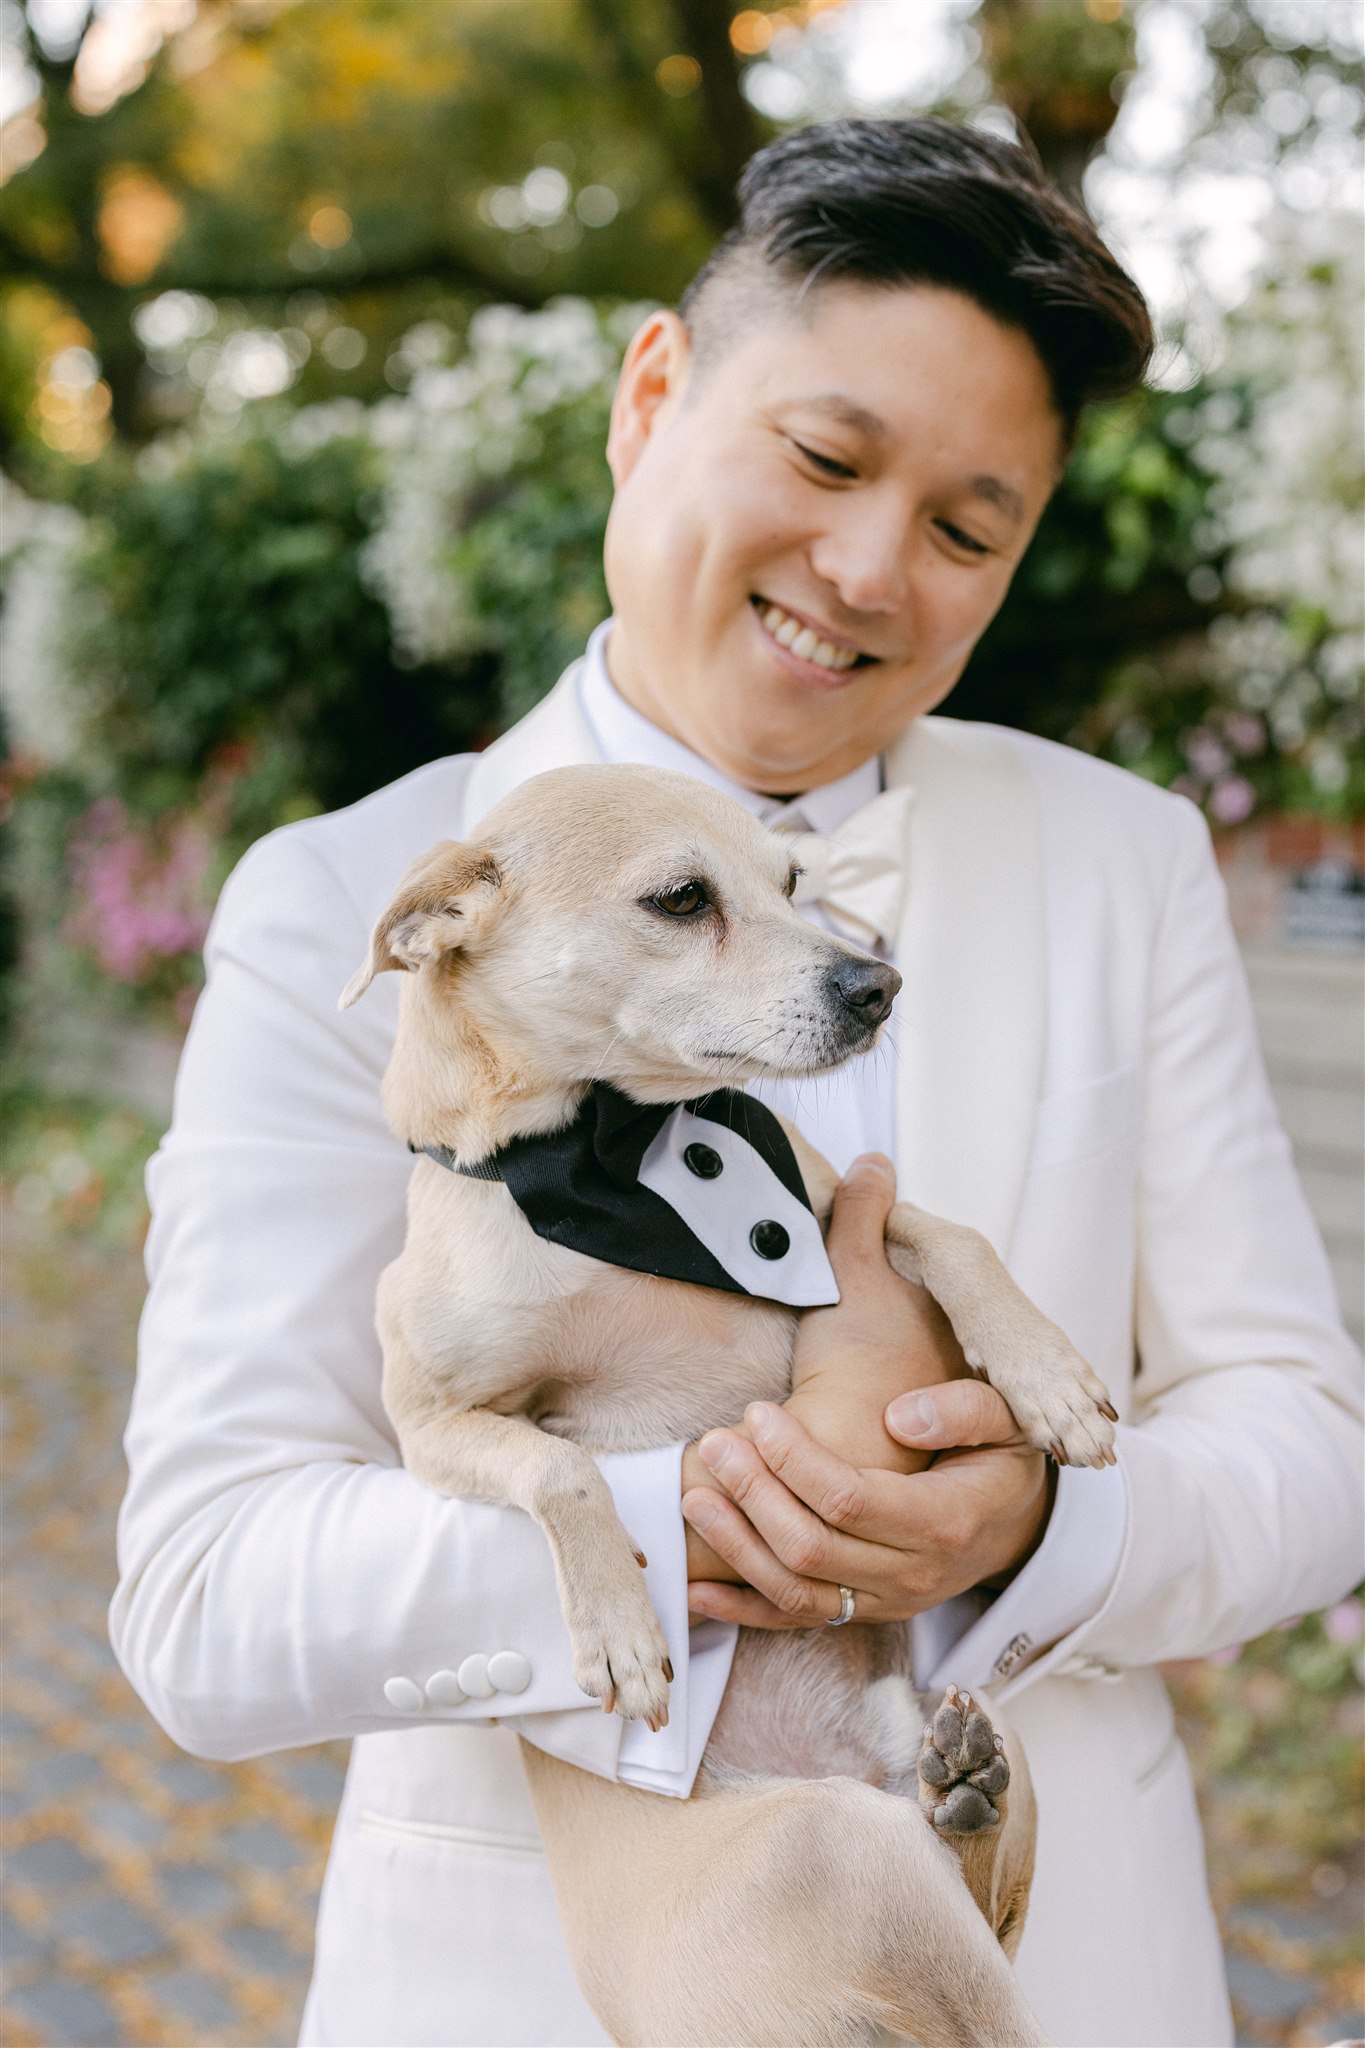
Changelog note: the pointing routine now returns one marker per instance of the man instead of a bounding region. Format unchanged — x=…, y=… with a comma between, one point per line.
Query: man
x=827, y=469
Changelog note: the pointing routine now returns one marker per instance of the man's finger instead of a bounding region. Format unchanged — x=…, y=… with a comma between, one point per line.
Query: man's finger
x=801, y=1539
x=803, y=1543
x=713, y=1600
x=803, y=1601
x=864, y=1506
x=949, y=1416
x=862, y=1202
x=832, y=1488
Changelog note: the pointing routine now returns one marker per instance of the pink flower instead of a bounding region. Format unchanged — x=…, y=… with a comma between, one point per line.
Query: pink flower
x=142, y=894
x=1245, y=732
x=1206, y=753
x=1344, y=1622
x=1232, y=799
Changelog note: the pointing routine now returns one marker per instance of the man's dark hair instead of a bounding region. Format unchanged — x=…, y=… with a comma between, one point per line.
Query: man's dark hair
x=888, y=203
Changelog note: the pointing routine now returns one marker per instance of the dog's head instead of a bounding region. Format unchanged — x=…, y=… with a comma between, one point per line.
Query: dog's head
x=627, y=925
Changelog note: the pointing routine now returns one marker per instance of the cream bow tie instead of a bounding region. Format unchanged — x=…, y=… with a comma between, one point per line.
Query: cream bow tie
x=857, y=872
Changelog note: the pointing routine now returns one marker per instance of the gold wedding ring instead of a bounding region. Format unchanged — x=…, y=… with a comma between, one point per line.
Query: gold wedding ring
x=848, y=1600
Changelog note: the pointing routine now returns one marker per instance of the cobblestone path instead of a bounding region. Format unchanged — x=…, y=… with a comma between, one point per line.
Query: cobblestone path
x=149, y=1898
x=153, y=1899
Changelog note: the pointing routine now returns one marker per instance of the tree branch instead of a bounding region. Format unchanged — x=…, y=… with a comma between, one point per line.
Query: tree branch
x=733, y=128
x=437, y=266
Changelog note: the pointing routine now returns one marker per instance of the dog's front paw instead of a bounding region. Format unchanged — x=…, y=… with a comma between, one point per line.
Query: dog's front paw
x=620, y=1653
x=1062, y=1407
x=1058, y=1402
x=963, y=1774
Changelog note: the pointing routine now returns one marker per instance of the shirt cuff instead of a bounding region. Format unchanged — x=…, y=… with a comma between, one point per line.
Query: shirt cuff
x=647, y=1489
x=1063, y=1584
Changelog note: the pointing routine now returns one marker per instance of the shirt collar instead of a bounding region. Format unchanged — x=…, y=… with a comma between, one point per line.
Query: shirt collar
x=625, y=734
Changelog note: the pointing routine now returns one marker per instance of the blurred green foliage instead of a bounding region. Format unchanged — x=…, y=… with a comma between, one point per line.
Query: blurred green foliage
x=223, y=629
x=530, y=558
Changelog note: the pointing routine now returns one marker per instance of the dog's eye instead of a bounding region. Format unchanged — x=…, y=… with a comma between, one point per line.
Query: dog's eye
x=686, y=900
x=792, y=879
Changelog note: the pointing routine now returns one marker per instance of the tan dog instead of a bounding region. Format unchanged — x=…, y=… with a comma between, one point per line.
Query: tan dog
x=631, y=926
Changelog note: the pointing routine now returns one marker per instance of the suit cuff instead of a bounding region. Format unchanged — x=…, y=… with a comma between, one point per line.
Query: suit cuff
x=648, y=1492
x=647, y=1489
x=1063, y=1585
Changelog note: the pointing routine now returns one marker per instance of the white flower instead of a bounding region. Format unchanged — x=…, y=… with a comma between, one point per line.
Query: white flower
x=42, y=709
x=458, y=426
x=1289, y=487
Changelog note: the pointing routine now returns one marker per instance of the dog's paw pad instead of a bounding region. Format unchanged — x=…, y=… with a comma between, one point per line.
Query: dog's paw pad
x=965, y=1811
x=962, y=1767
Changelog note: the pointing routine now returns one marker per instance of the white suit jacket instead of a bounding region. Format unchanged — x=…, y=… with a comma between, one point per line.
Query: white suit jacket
x=1079, y=1078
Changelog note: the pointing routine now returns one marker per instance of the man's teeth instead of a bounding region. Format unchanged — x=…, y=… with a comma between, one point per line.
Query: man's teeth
x=789, y=632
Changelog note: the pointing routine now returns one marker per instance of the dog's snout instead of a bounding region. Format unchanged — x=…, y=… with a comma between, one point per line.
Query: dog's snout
x=866, y=987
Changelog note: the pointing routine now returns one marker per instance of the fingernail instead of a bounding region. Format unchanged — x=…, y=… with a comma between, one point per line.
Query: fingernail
x=715, y=1451
x=699, y=1511
x=869, y=1162
x=760, y=1416
x=912, y=1415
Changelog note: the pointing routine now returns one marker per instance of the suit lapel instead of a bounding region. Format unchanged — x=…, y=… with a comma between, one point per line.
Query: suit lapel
x=554, y=735
x=972, y=950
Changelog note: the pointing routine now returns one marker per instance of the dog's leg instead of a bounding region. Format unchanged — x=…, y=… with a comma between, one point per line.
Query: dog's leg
x=1058, y=1402
x=798, y=1914
x=620, y=1655
x=982, y=1808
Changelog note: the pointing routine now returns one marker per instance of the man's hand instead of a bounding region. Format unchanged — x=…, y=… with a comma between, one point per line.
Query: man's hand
x=820, y=1493
x=796, y=1521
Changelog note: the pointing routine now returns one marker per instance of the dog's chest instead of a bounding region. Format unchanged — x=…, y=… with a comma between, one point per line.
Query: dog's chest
x=660, y=1361
x=612, y=1359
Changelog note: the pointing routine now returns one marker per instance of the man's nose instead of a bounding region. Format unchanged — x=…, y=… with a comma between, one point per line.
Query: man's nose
x=866, y=987
x=865, y=559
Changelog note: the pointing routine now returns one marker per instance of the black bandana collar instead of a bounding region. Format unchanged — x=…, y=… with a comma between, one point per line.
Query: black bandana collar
x=706, y=1191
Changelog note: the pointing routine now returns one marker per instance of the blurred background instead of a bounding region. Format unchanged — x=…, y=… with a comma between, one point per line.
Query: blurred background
x=309, y=319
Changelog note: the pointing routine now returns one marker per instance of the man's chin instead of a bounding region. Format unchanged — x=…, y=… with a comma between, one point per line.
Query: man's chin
x=773, y=739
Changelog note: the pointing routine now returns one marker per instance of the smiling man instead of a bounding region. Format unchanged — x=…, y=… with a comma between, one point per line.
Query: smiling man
x=828, y=464
x=801, y=556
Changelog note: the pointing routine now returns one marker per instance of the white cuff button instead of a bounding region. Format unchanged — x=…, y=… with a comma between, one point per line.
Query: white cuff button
x=444, y=1689
x=1089, y=1667
x=404, y=1694
x=509, y=1671
x=473, y=1678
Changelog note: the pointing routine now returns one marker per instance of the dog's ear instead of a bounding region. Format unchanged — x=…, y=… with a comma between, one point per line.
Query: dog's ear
x=444, y=901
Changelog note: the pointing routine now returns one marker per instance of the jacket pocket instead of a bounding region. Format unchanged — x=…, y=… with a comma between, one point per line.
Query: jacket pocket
x=446, y=1833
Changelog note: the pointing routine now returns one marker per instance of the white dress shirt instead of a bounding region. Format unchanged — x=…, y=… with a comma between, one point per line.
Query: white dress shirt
x=847, y=1113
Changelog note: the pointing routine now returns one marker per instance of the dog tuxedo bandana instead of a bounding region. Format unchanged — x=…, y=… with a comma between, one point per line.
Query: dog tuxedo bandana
x=706, y=1191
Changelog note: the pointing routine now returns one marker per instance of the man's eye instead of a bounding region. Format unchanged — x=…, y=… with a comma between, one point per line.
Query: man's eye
x=686, y=900
x=825, y=463
x=960, y=539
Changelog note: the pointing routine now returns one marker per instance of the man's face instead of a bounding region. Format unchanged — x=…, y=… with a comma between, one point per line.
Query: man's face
x=808, y=540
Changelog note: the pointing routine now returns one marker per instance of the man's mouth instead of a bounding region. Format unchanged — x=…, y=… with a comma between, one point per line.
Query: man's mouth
x=803, y=641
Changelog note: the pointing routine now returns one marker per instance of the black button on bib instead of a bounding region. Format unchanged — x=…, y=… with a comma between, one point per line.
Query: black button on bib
x=770, y=1240
x=703, y=1161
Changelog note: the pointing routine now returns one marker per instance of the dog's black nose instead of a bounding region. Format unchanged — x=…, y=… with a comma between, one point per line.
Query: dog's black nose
x=866, y=987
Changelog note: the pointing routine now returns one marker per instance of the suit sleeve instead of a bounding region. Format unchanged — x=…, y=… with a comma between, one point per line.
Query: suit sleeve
x=279, y=1569
x=1241, y=1458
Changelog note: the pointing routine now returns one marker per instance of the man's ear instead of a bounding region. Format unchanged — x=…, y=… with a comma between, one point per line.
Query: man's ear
x=656, y=369
x=444, y=902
